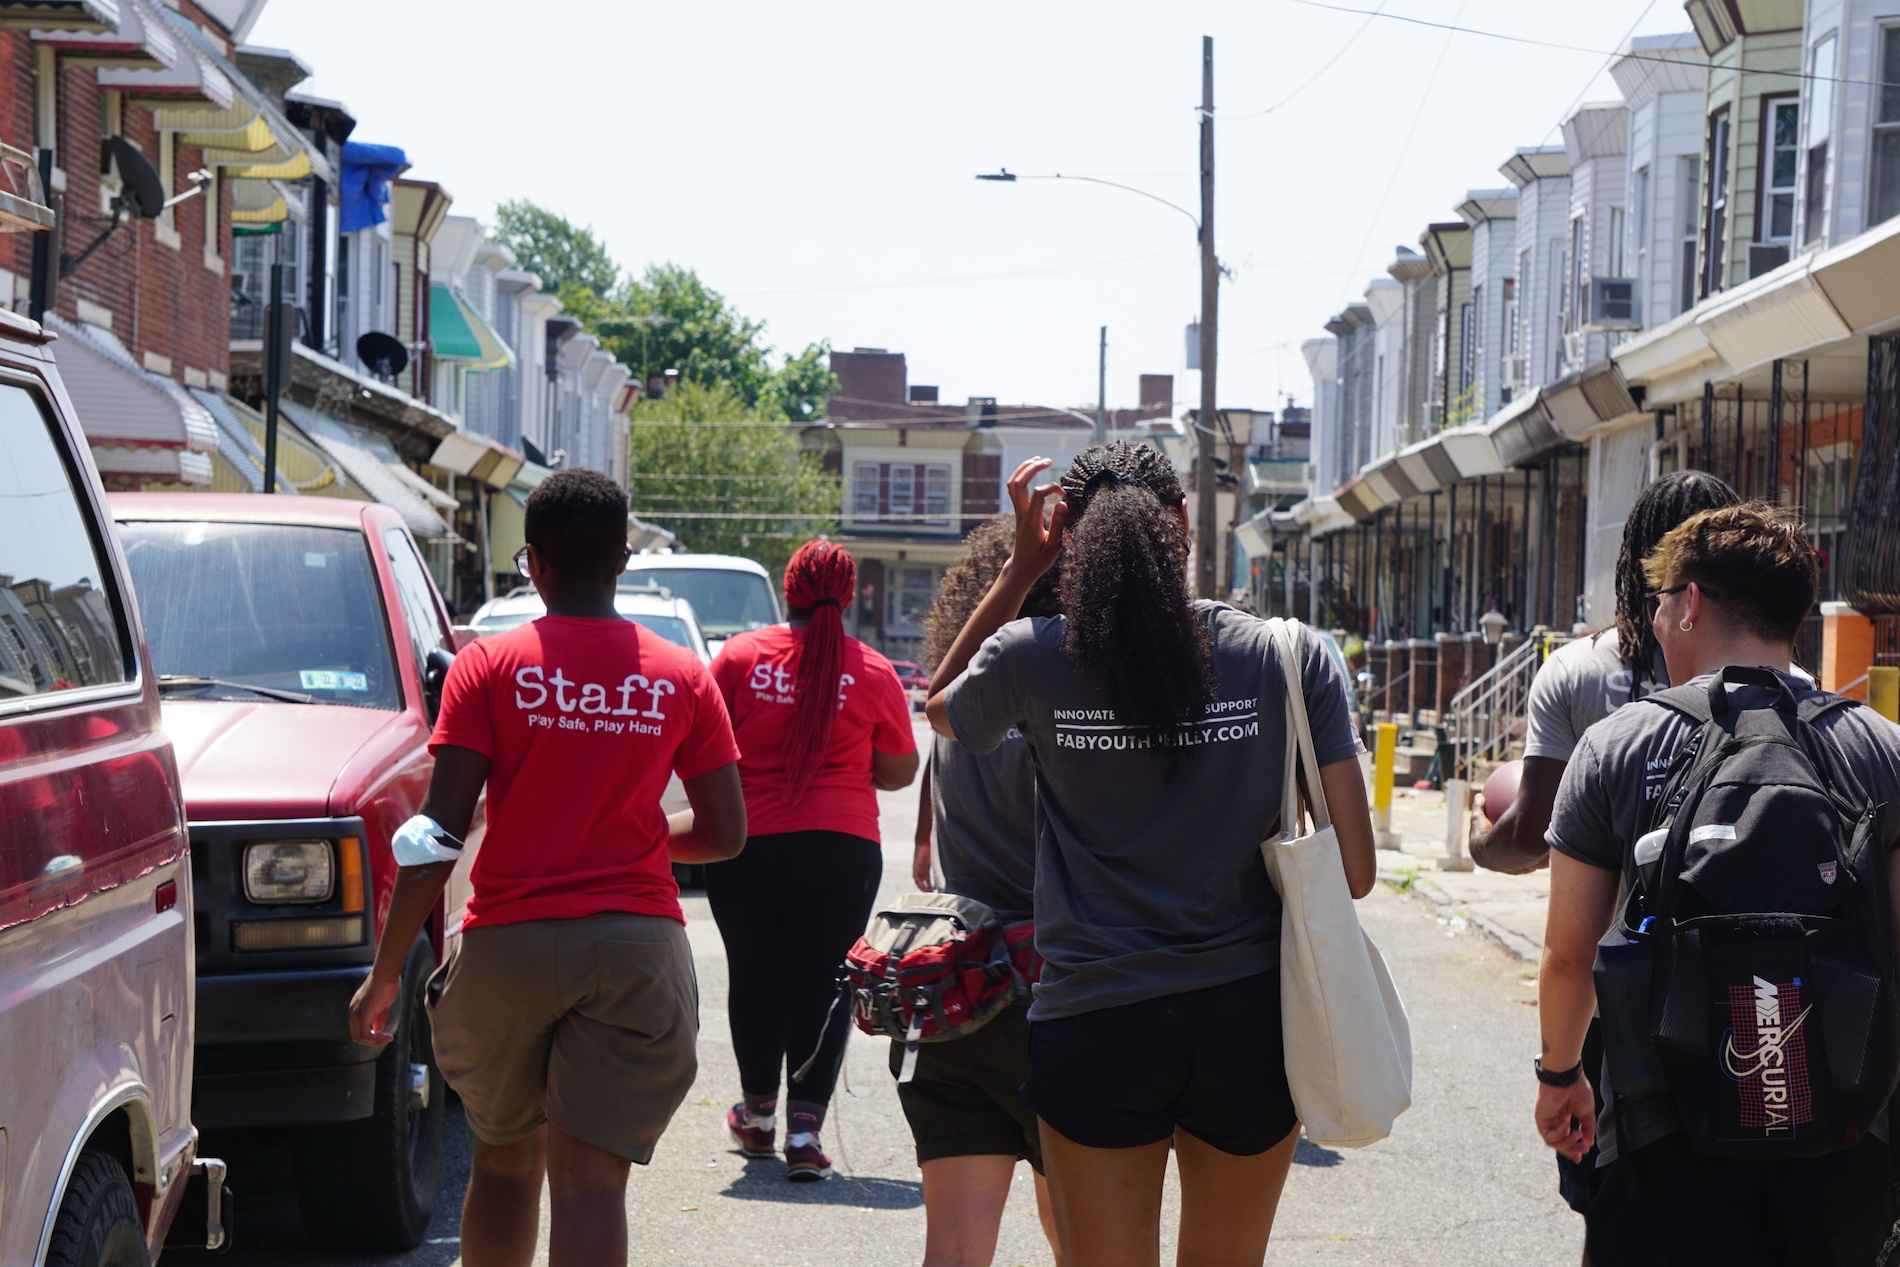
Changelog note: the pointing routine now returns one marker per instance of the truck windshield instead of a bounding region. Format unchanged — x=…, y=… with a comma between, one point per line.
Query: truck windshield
x=726, y=602
x=280, y=606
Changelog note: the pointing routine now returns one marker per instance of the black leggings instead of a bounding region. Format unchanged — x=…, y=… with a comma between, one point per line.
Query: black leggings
x=789, y=907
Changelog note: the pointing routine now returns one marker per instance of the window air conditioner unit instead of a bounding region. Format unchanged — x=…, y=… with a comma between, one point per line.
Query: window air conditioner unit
x=1611, y=303
x=1516, y=371
x=1766, y=257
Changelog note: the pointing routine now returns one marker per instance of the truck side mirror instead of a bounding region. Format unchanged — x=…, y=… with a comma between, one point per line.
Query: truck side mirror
x=435, y=671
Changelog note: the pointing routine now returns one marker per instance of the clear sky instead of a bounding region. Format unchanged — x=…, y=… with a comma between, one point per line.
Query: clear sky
x=815, y=162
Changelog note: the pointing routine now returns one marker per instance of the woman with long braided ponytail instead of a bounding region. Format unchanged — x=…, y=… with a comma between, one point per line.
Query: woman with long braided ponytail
x=822, y=723
x=1156, y=723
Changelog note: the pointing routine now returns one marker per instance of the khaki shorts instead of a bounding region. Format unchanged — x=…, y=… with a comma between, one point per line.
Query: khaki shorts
x=591, y=1024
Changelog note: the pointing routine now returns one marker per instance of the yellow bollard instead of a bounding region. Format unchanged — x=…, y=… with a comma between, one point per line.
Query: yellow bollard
x=1883, y=692
x=1385, y=751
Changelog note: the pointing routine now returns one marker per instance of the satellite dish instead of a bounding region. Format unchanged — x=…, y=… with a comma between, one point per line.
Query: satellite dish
x=144, y=191
x=384, y=354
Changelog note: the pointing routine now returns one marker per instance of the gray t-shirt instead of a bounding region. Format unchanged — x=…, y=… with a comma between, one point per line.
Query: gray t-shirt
x=1149, y=879
x=983, y=818
x=1578, y=686
x=1610, y=787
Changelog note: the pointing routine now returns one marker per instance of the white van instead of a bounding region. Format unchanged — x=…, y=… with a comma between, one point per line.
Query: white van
x=730, y=595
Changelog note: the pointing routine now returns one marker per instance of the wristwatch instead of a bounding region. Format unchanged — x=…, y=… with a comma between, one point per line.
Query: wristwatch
x=1558, y=1077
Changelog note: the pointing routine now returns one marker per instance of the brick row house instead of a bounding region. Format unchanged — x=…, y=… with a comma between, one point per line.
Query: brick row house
x=918, y=475
x=189, y=175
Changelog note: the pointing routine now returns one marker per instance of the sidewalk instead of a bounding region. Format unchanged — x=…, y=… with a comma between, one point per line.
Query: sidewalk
x=1508, y=909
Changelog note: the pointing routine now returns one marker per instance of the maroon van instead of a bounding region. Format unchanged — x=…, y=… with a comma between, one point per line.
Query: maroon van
x=300, y=648
x=97, y=1147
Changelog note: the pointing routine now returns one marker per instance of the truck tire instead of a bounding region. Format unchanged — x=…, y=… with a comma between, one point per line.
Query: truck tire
x=98, y=1222
x=371, y=1184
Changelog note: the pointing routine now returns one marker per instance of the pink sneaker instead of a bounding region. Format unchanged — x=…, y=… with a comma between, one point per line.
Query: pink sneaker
x=805, y=1161
x=756, y=1136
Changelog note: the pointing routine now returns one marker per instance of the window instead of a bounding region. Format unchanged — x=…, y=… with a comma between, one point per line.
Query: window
x=1716, y=216
x=1820, y=120
x=1780, y=156
x=417, y=596
x=165, y=228
x=1573, y=276
x=1688, y=191
x=58, y=627
x=910, y=598
x=900, y=492
x=1617, y=244
x=1642, y=216
x=1885, y=202
x=903, y=491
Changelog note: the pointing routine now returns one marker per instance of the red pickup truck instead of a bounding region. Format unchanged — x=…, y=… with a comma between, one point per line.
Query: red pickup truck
x=300, y=648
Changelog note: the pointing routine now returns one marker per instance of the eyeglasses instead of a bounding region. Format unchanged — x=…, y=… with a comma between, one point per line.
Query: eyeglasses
x=521, y=560
x=1654, y=597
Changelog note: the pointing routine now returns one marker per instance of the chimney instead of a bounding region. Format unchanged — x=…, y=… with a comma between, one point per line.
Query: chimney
x=1157, y=393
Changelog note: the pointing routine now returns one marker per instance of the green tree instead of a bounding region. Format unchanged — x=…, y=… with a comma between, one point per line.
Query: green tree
x=565, y=256
x=727, y=478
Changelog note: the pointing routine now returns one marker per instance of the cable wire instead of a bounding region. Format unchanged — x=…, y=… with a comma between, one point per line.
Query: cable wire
x=1311, y=79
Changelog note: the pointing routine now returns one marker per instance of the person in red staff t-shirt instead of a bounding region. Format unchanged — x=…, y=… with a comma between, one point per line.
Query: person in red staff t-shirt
x=822, y=723
x=569, y=1019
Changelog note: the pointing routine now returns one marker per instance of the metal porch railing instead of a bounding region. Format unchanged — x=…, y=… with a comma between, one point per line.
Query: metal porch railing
x=1486, y=718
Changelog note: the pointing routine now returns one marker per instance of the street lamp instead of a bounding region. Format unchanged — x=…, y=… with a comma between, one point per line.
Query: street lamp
x=1491, y=626
x=1207, y=529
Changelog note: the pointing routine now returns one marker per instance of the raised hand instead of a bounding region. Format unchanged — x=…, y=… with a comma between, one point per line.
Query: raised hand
x=1038, y=543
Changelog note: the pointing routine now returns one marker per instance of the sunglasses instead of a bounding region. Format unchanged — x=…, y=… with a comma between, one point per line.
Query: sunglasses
x=1654, y=597
x=521, y=560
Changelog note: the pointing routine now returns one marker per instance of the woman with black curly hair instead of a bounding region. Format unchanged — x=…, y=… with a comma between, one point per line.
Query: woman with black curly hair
x=963, y=1099
x=1157, y=727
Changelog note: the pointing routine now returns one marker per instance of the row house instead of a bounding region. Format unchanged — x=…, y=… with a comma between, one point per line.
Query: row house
x=918, y=475
x=1706, y=274
x=187, y=185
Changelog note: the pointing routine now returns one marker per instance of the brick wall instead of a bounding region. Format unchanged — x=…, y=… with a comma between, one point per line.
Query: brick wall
x=164, y=301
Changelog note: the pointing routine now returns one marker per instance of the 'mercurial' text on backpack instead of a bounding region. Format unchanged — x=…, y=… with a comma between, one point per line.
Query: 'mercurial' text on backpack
x=1750, y=975
x=934, y=967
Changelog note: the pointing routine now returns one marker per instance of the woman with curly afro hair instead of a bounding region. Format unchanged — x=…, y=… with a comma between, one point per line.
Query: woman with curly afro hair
x=963, y=1099
x=1156, y=723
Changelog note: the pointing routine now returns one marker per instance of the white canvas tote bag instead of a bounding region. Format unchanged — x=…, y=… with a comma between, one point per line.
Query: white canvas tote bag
x=1348, y=1044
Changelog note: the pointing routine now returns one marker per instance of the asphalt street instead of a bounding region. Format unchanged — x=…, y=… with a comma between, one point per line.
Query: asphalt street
x=1463, y=1180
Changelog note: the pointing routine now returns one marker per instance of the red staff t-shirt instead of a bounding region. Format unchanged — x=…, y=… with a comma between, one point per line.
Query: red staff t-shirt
x=755, y=672
x=582, y=720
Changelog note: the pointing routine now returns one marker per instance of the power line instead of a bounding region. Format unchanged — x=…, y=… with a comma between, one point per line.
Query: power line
x=1354, y=39
x=1568, y=48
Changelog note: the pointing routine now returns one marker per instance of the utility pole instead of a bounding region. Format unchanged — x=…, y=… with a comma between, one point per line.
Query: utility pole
x=1207, y=530
x=1101, y=394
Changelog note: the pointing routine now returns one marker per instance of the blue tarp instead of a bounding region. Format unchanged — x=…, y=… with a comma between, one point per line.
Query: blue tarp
x=367, y=171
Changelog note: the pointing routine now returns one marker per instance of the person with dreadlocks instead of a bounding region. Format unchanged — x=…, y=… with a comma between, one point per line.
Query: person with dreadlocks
x=1585, y=681
x=976, y=825
x=822, y=724
x=1157, y=727
x=1578, y=686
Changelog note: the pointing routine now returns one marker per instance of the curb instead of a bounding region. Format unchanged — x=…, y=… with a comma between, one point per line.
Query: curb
x=1422, y=889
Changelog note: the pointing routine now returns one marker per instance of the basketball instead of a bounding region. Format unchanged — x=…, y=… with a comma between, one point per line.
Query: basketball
x=1500, y=789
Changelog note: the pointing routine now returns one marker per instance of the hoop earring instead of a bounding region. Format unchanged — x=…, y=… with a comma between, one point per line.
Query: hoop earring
x=1687, y=626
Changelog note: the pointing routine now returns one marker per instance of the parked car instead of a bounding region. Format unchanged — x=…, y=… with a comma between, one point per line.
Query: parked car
x=915, y=681
x=97, y=1146
x=730, y=595
x=300, y=649
x=653, y=606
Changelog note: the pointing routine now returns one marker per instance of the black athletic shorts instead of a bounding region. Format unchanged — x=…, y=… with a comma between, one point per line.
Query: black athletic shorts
x=1667, y=1205
x=1208, y=1061
x=965, y=1097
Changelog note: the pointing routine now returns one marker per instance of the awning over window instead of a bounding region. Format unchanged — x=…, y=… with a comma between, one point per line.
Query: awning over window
x=192, y=78
x=369, y=460
x=251, y=132
x=258, y=202
x=478, y=457
x=507, y=528
x=62, y=15
x=138, y=38
x=459, y=333
x=137, y=423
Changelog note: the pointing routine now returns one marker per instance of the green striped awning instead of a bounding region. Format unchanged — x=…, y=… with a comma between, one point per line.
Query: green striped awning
x=458, y=333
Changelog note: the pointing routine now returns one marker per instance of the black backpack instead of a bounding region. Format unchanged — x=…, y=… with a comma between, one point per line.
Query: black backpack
x=1750, y=974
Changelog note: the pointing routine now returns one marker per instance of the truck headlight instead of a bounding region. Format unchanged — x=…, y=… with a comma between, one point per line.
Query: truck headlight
x=289, y=871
